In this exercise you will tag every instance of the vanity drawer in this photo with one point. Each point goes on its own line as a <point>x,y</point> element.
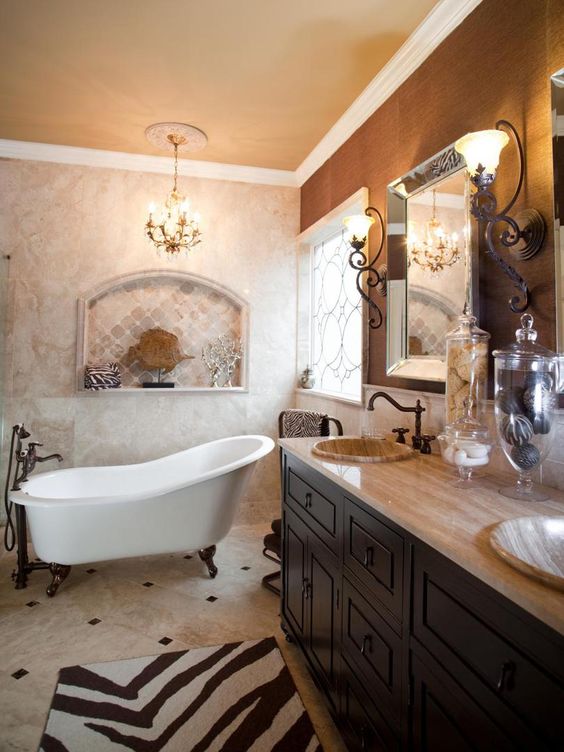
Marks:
<point>319,511</point>
<point>456,618</point>
<point>374,552</point>
<point>365,723</point>
<point>373,647</point>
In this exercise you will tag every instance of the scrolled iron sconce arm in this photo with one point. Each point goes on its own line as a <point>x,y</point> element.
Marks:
<point>375,277</point>
<point>524,233</point>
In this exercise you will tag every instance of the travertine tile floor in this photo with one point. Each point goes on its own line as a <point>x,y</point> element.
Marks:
<point>139,603</point>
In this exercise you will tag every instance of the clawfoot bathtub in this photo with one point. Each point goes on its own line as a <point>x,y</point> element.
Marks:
<point>183,502</point>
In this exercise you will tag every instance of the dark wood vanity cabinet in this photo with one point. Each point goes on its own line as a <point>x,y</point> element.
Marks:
<point>311,599</point>
<point>412,651</point>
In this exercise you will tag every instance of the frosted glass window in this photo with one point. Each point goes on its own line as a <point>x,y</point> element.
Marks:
<point>336,320</point>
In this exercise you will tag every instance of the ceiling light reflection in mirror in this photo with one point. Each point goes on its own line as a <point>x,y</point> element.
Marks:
<point>436,274</point>
<point>429,264</point>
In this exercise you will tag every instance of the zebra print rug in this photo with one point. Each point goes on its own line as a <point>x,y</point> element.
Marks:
<point>227,698</point>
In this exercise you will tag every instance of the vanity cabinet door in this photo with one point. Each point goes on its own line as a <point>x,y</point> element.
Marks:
<point>294,569</point>
<point>470,631</point>
<point>322,599</point>
<point>445,718</point>
<point>310,599</point>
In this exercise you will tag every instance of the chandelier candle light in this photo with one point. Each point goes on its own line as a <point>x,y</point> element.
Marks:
<point>171,226</point>
<point>438,249</point>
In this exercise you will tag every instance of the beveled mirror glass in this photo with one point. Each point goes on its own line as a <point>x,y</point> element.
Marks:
<point>429,264</point>
<point>557,91</point>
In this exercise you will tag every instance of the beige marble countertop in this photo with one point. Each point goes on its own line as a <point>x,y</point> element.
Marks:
<point>419,496</point>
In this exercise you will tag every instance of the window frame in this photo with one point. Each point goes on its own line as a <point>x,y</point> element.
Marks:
<point>320,231</point>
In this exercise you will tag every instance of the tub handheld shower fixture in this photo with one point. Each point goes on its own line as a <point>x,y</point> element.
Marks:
<point>26,459</point>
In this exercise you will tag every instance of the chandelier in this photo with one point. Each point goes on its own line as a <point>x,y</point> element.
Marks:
<point>438,249</point>
<point>171,226</point>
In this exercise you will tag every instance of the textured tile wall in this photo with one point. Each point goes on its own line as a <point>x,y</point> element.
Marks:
<point>193,312</point>
<point>69,229</point>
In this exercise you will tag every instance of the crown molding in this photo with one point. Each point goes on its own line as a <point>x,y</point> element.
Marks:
<point>434,28</point>
<point>118,160</point>
<point>437,25</point>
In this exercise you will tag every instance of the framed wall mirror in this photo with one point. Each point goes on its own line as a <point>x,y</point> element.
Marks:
<point>430,276</point>
<point>557,97</point>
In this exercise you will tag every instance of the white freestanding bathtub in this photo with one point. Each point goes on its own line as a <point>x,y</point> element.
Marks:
<point>184,502</point>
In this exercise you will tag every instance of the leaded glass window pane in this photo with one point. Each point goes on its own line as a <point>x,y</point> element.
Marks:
<point>336,320</point>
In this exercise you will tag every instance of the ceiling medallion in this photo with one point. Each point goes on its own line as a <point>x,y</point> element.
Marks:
<point>171,226</point>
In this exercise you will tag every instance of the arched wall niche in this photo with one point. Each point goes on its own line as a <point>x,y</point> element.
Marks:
<point>113,315</point>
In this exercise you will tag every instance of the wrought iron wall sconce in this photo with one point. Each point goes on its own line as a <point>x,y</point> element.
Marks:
<point>356,234</point>
<point>525,231</point>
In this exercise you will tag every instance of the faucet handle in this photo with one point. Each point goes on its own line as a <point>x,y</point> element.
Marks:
<point>34,443</point>
<point>401,434</point>
<point>427,438</point>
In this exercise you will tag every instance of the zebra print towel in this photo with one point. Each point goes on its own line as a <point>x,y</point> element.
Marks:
<point>102,376</point>
<point>295,423</point>
<point>227,698</point>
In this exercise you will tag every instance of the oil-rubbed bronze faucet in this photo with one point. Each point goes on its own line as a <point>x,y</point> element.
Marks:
<point>416,438</point>
<point>27,459</point>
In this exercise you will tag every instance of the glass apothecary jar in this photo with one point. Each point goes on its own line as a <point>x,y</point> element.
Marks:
<point>466,445</point>
<point>467,369</point>
<point>526,396</point>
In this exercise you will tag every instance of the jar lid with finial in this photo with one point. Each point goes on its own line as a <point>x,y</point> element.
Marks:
<point>525,348</point>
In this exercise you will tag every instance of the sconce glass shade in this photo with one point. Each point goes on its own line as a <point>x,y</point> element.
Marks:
<point>357,226</point>
<point>482,148</point>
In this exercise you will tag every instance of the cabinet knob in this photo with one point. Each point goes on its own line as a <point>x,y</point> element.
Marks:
<point>366,641</point>
<point>307,500</point>
<point>306,588</point>
<point>369,556</point>
<point>505,680</point>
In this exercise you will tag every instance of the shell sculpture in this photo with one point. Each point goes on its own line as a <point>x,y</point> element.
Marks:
<point>157,349</point>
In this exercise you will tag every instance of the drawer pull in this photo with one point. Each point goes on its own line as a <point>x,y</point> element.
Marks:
<point>364,737</point>
<point>306,588</point>
<point>366,641</point>
<point>308,501</point>
<point>369,557</point>
<point>505,680</point>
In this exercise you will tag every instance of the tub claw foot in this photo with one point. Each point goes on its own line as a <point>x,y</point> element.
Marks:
<point>206,555</point>
<point>60,573</point>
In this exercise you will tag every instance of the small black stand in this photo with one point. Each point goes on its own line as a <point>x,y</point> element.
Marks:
<point>158,384</point>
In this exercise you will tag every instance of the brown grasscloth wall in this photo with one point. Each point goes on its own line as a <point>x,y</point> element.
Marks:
<point>495,65</point>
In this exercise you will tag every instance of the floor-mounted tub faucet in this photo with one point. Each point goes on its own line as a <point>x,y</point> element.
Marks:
<point>416,438</point>
<point>27,459</point>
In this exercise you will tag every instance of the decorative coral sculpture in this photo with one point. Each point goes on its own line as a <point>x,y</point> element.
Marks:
<point>221,356</point>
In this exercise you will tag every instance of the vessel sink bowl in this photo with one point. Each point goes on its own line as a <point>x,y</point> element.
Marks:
<point>534,546</point>
<point>358,449</point>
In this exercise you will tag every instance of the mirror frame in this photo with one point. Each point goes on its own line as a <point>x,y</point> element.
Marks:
<point>558,209</point>
<point>443,164</point>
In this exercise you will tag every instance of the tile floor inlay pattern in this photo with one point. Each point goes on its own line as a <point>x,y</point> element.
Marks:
<point>132,623</point>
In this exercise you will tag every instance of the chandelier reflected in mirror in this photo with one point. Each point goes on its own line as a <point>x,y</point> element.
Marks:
<point>172,227</point>
<point>437,249</point>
